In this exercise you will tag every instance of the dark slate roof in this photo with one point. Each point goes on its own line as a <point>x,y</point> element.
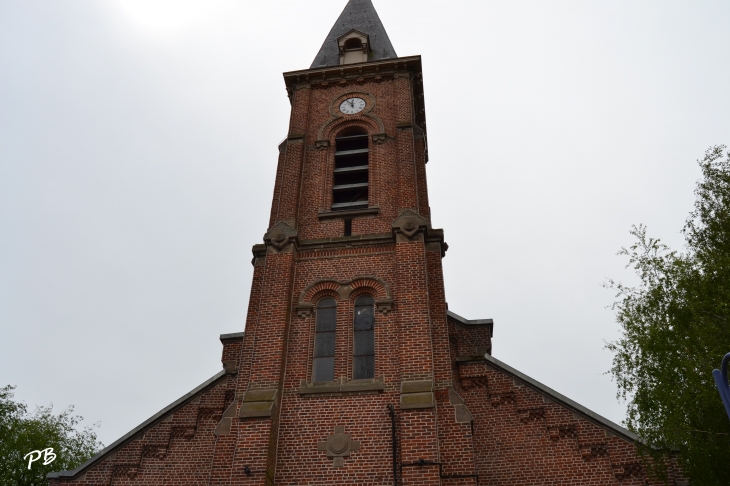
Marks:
<point>359,15</point>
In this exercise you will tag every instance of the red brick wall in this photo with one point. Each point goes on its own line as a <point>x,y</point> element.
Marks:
<point>516,436</point>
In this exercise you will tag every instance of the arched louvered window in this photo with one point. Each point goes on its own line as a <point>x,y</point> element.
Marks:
<point>363,360</point>
<point>350,189</point>
<point>354,44</point>
<point>323,364</point>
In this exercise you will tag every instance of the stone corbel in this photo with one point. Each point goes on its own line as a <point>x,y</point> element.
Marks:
<point>409,226</point>
<point>280,238</point>
<point>379,138</point>
<point>321,144</point>
<point>258,403</point>
<point>304,309</point>
<point>230,367</point>
<point>384,305</point>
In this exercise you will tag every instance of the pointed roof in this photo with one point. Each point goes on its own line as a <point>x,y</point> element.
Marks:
<point>359,15</point>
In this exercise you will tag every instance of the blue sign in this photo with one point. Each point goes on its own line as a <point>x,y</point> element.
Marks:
<point>722,384</point>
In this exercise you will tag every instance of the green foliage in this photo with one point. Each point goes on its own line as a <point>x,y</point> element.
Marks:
<point>22,432</point>
<point>676,329</point>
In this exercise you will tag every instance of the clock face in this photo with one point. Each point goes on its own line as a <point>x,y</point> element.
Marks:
<point>352,105</point>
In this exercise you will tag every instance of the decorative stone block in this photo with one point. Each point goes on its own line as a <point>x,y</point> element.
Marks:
<point>416,386</point>
<point>384,305</point>
<point>256,409</point>
<point>408,225</point>
<point>280,238</point>
<point>260,395</point>
<point>230,367</point>
<point>258,403</point>
<point>338,446</point>
<point>416,400</point>
<point>304,309</point>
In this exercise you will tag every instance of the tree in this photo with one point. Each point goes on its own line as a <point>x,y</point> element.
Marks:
<point>22,432</point>
<point>676,329</point>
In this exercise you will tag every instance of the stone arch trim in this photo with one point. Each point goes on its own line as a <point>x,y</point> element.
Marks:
<point>343,288</point>
<point>372,123</point>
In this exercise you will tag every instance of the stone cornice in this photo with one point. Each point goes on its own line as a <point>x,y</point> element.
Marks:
<point>399,67</point>
<point>432,237</point>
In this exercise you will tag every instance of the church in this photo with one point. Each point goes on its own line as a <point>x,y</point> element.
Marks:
<point>352,370</point>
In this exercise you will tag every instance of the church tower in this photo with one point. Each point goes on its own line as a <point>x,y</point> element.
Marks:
<point>347,317</point>
<point>351,369</point>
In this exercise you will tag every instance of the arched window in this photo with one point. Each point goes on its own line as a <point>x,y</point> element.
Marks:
<point>323,364</point>
<point>350,189</point>
<point>363,360</point>
<point>354,44</point>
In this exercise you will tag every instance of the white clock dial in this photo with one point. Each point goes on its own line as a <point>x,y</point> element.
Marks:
<point>352,105</point>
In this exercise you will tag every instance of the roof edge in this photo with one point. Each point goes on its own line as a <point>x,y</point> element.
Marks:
<point>462,321</point>
<point>232,336</point>
<point>415,59</point>
<point>469,322</point>
<point>180,402</point>
<point>563,400</point>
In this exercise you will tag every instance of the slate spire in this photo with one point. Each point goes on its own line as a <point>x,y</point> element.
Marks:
<point>359,15</point>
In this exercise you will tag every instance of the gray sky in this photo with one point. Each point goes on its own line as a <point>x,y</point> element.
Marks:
<point>138,151</point>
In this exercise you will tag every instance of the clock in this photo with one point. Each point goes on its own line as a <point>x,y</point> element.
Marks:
<point>352,105</point>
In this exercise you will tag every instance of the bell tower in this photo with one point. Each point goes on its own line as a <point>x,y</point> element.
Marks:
<point>347,321</point>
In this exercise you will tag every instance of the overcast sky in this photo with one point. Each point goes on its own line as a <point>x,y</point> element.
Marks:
<point>138,146</point>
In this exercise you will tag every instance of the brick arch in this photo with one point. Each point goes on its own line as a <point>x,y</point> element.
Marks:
<point>360,291</point>
<point>311,293</point>
<point>369,283</point>
<point>344,288</point>
<point>371,123</point>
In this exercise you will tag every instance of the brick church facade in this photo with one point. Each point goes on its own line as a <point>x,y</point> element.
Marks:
<point>352,370</point>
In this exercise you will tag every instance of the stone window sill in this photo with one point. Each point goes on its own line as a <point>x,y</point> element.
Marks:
<point>342,386</point>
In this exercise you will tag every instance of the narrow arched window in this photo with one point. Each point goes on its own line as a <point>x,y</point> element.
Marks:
<point>363,361</point>
<point>350,189</point>
<point>323,364</point>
